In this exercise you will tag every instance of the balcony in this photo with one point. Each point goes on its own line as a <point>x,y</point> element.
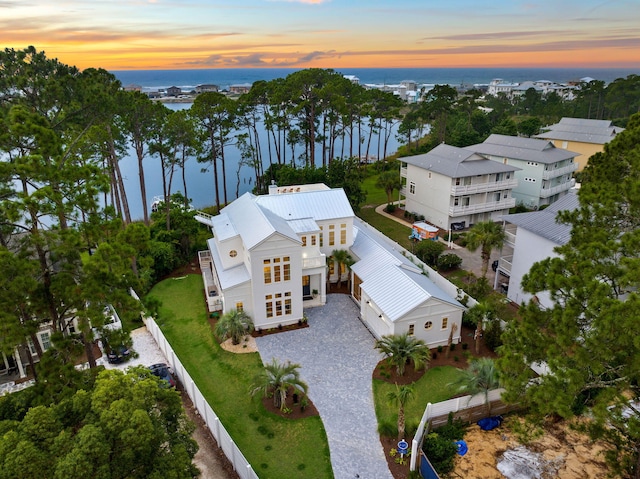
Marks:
<point>313,260</point>
<point>403,172</point>
<point>461,210</point>
<point>504,264</point>
<point>510,234</point>
<point>547,192</point>
<point>549,174</point>
<point>211,286</point>
<point>462,190</point>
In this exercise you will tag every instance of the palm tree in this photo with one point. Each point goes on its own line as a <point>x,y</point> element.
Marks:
<point>401,397</point>
<point>480,377</point>
<point>278,379</point>
<point>389,181</point>
<point>235,325</point>
<point>487,236</point>
<point>343,258</point>
<point>478,315</point>
<point>402,349</point>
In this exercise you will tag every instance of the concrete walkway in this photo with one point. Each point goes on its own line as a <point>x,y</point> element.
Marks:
<point>337,357</point>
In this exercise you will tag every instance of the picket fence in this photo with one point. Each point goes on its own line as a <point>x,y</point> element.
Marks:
<point>211,419</point>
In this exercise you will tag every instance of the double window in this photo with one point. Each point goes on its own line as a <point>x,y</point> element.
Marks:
<point>278,304</point>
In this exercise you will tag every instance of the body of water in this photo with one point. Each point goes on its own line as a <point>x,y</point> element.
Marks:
<point>200,184</point>
<point>224,77</point>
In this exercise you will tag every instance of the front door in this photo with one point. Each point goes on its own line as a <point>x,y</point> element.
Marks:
<point>306,286</point>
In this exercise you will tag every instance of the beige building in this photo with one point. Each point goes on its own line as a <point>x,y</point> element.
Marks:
<point>585,137</point>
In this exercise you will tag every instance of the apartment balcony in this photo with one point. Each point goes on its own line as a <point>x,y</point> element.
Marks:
<point>403,191</point>
<point>547,192</point>
<point>510,234</point>
<point>489,186</point>
<point>549,174</point>
<point>403,172</point>
<point>461,210</point>
<point>505,264</point>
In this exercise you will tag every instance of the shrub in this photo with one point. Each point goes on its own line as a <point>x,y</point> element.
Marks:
<point>441,452</point>
<point>390,208</point>
<point>449,261</point>
<point>452,347</point>
<point>439,349</point>
<point>465,346</point>
<point>493,335</point>
<point>429,251</point>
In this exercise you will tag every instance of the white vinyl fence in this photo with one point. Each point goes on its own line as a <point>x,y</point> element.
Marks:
<point>240,464</point>
<point>470,408</point>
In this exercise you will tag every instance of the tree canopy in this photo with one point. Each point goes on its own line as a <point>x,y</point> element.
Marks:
<point>588,340</point>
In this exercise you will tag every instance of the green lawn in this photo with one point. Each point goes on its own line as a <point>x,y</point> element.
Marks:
<point>433,387</point>
<point>266,440</point>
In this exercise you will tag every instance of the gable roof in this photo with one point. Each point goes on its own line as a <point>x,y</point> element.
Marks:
<point>253,223</point>
<point>396,285</point>
<point>318,204</point>
<point>456,162</point>
<point>581,130</point>
<point>229,277</point>
<point>525,149</point>
<point>543,223</point>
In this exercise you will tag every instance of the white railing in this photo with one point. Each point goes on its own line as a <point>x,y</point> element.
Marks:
<point>204,218</point>
<point>546,192</point>
<point>548,174</point>
<point>461,210</point>
<point>211,286</point>
<point>314,262</point>
<point>211,419</point>
<point>459,190</point>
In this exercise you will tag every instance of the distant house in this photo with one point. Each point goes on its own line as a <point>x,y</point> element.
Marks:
<point>271,256</point>
<point>207,88</point>
<point>532,237</point>
<point>240,88</point>
<point>132,87</point>
<point>353,79</point>
<point>586,137</point>
<point>174,91</point>
<point>545,173</point>
<point>454,188</point>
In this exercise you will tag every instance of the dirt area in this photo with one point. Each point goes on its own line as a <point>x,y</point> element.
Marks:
<point>210,459</point>
<point>571,455</point>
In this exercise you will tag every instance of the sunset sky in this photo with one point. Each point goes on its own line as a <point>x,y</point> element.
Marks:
<point>173,34</point>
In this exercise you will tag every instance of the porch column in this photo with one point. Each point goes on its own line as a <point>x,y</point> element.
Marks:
<point>18,359</point>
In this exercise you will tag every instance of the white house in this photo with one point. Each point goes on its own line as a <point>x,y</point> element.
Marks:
<point>455,187</point>
<point>544,174</point>
<point>268,257</point>
<point>531,237</point>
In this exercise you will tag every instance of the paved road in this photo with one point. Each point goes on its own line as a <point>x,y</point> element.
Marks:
<point>337,357</point>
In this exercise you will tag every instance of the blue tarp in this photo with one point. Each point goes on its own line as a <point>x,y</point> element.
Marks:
<point>489,423</point>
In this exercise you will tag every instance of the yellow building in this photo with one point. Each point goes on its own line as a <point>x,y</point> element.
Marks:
<point>586,137</point>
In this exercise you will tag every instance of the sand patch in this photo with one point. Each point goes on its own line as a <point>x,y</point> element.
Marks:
<point>247,345</point>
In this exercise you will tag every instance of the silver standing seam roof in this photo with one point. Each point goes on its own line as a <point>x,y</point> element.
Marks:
<point>581,130</point>
<point>525,149</point>
<point>394,283</point>
<point>457,162</point>
<point>543,223</point>
<point>319,205</point>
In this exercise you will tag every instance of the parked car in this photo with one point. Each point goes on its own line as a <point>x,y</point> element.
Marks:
<point>163,372</point>
<point>116,354</point>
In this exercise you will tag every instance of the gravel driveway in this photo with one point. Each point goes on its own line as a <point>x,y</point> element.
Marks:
<point>337,357</point>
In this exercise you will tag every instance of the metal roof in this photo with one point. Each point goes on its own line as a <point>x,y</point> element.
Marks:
<point>457,162</point>
<point>581,130</point>
<point>543,223</point>
<point>319,205</point>
<point>255,224</point>
<point>304,225</point>
<point>525,149</point>
<point>394,284</point>
<point>222,227</point>
<point>228,277</point>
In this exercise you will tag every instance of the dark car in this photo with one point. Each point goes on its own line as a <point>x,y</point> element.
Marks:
<point>116,354</point>
<point>162,371</point>
<point>458,226</point>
